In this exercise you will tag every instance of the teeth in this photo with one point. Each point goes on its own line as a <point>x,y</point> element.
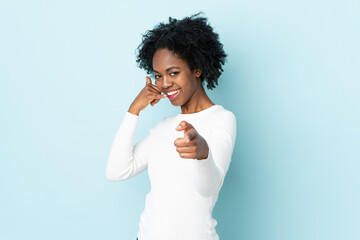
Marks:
<point>172,92</point>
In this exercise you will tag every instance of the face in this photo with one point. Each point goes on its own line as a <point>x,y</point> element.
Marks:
<point>174,77</point>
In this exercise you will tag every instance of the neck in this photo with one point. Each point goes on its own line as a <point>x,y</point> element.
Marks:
<point>198,102</point>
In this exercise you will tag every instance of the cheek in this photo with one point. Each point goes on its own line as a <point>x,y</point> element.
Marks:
<point>191,86</point>
<point>159,85</point>
<point>188,82</point>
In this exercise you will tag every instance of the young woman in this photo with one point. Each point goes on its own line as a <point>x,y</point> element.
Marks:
<point>187,155</point>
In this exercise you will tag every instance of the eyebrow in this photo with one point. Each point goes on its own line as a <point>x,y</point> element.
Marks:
<point>170,68</point>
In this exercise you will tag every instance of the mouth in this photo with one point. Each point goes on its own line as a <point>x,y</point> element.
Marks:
<point>172,94</point>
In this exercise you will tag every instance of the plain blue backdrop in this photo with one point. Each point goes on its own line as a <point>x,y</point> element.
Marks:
<point>68,75</point>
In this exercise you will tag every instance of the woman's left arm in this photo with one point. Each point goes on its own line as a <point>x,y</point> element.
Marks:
<point>212,155</point>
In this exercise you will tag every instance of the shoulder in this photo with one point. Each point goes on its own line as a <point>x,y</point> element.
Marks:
<point>220,115</point>
<point>223,123</point>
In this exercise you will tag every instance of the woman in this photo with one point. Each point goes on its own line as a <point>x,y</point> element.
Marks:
<point>187,155</point>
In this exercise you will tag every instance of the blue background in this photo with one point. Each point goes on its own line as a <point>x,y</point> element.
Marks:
<point>68,75</point>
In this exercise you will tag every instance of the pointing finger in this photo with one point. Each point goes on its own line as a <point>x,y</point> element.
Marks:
<point>156,88</point>
<point>152,86</point>
<point>184,126</point>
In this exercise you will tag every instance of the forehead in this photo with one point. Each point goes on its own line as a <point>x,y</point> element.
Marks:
<point>164,58</point>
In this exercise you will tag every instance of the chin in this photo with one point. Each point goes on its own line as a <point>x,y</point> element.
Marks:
<point>176,104</point>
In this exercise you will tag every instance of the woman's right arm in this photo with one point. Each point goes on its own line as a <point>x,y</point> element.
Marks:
<point>126,160</point>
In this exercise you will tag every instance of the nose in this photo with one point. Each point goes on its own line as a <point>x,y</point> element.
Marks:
<point>166,83</point>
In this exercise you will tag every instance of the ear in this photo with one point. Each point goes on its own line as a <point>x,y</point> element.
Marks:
<point>197,72</point>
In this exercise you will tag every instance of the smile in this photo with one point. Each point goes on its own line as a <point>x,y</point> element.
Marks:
<point>172,94</point>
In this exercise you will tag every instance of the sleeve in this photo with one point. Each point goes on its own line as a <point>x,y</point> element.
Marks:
<point>127,160</point>
<point>210,172</point>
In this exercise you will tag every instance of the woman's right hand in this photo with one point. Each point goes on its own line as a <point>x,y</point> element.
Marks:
<point>149,94</point>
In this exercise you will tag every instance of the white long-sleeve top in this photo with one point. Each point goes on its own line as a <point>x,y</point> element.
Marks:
<point>183,191</point>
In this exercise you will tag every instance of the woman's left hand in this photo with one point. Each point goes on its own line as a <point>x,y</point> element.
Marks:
<point>192,145</point>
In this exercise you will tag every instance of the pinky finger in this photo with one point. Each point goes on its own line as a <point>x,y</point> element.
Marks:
<point>188,155</point>
<point>152,103</point>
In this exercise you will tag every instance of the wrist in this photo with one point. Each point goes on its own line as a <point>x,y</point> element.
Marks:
<point>205,155</point>
<point>134,110</point>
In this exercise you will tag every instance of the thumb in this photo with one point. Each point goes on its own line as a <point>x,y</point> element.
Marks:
<point>148,80</point>
<point>190,134</point>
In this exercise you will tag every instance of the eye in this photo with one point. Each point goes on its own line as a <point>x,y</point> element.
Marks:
<point>157,76</point>
<point>174,73</point>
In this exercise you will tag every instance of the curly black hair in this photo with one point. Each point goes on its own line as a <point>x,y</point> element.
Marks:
<point>192,39</point>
